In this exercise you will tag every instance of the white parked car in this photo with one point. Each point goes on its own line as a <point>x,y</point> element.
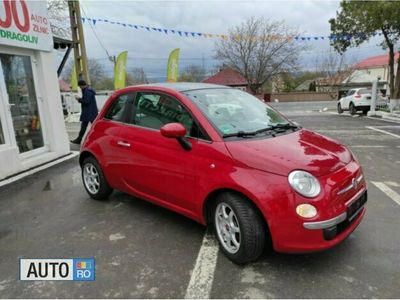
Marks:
<point>359,99</point>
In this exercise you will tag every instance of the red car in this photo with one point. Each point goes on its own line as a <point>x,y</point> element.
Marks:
<point>226,159</point>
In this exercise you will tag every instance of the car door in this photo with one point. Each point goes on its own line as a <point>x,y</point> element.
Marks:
<point>105,133</point>
<point>156,167</point>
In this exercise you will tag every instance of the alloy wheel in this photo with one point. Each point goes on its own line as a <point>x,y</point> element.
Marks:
<point>91,178</point>
<point>227,227</point>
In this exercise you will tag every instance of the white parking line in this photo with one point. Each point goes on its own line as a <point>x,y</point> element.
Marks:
<point>383,131</point>
<point>368,146</point>
<point>203,273</point>
<point>388,191</point>
<point>388,126</point>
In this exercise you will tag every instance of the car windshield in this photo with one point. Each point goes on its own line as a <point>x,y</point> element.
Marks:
<point>232,111</point>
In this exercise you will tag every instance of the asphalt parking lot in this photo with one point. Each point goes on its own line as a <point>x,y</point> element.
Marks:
<point>144,251</point>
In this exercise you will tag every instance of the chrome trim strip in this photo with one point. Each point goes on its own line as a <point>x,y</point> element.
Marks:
<point>346,189</point>
<point>327,223</point>
<point>359,178</point>
<point>349,187</point>
<point>355,197</point>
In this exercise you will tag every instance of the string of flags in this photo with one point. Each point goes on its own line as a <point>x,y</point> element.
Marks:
<point>193,34</point>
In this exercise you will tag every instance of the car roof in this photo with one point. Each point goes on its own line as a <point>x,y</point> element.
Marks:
<point>184,86</point>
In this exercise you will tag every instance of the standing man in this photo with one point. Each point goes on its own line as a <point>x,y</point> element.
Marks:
<point>88,109</point>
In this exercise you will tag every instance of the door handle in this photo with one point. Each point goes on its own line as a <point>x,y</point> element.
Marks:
<point>123,144</point>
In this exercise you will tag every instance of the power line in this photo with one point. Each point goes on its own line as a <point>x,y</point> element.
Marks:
<point>97,37</point>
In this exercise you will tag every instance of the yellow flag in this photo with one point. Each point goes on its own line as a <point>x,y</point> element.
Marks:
<point>173,66</point>
<point>120,70</point>
<point>74,80</point>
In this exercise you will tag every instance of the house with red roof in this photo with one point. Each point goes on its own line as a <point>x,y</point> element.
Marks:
<point>370,68</point>
<point>229,77</point>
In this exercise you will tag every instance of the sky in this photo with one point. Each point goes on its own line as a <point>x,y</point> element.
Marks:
<point>150,49</point>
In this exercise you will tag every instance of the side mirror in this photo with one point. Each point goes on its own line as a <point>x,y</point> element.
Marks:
<point>176,131</point>
<point>173,130</point>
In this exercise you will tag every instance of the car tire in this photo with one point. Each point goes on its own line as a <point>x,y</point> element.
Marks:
<point>365,111</point>
<point>94,181</point>
<point>353,109</point>
<point>339,109</point>
<point>243,224</point>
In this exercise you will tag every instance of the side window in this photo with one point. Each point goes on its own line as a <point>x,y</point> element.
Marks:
<point>155,110</point>
<point>116,111</point>
<point>351,92</point>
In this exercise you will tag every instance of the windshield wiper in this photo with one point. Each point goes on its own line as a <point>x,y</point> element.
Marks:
<point>283,126</point>
<point>242,133</point>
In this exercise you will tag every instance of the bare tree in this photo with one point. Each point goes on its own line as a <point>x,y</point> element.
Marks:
<point>333,69</point>
<point>192,73</point>
<point>59,18</point>
<point>136,76</point>
<point>98,76</point>
<point>259,50</point>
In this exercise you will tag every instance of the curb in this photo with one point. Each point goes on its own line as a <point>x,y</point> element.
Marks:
<point>384,115</point>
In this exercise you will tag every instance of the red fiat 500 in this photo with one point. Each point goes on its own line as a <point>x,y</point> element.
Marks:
<point>224,158</point>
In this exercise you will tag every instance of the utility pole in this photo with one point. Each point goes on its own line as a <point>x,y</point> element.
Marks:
<point>374,95</point>
<point>81,61</point>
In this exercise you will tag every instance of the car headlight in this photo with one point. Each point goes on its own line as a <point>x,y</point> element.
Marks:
<point>304,183</point>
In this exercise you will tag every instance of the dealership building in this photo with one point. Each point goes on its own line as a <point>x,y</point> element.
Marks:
<point>32,129</point>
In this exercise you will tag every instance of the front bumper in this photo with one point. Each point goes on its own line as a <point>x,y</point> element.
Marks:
<point>333,227</point>
<point>322,234</point>
<point>360,196</point>
<point>327,223</point>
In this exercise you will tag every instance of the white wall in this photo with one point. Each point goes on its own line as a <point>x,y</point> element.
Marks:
<point>369,74</point>
<point>52,120</point>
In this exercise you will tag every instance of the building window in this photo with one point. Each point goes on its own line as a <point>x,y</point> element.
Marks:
<point>19,81</point>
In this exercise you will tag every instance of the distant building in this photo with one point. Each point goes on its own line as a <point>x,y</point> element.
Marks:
<point>229,77</point>
<point>331,83</point>
<point>370,68</point>
<point>305,86</point>
<point>367,70</point>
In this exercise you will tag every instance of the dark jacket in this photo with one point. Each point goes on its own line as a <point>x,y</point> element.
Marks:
<point>88,104</point>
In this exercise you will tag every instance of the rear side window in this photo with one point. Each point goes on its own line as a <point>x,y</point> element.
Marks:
<point>117,110</point>
<point>364,91</point>
<point>351,92</point>
<point>155,110</point>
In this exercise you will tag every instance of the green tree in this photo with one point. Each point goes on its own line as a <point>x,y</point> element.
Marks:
<point>358,21</point>
<point>292,81</point>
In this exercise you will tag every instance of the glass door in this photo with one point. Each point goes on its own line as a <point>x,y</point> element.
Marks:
<point>22,100</point>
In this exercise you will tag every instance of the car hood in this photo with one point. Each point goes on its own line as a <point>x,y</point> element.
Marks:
<point>300,150</point>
